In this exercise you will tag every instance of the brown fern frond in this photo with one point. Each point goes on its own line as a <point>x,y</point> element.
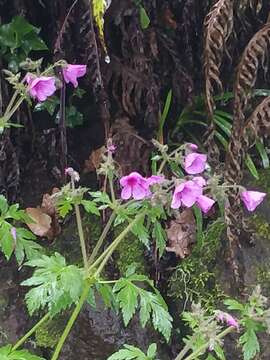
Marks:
<point>218,26</point>
<point>258,124</point>
<point>253,57</point>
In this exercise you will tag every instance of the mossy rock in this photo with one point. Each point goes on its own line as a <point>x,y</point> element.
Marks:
<point>48,334</point>
<point>195,279</point>
<point>130,251</point>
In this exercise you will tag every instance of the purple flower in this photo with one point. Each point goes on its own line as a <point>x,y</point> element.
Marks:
<point>195,163</point>
<point>134,185</point>
<point>72,72</point>
<point>199,180</point>
<point>154,179</point>
<point>13,232</point>
<point>40,87</point>
<point>112,148</point>
<point>204,203</point>
<point>192,147</point>
<point>228,319</point>
<point>186,193</point>
<point>252,199</point>
<point>75,176</point>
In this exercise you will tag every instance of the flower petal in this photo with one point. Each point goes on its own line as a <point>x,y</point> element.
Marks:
<point>205,203</point>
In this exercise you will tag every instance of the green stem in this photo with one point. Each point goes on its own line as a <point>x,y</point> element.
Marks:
<point>81,236</point>
<point>15,107</point>
<point>11,102</point>
<point>116,242</point>
<point>111,187</point>
<point>71,321</point>
<point>30,332</point>
<point>202,348</point>
<point>101,239</point>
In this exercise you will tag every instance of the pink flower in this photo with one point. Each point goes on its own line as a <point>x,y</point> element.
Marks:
<point>40,87</point>
<point>186,193</point>
<point>112,148</point>
<point>252,199</point>
<point>154,179</point>
<point>192,147</point>
<point>72,72</point>
<point>134,185</point>
<point>204,203</point>
<point>195,163</point>
<point>229,319</point>
<point>199,180</point>
<point>75,176</point>
<point>13,233</point>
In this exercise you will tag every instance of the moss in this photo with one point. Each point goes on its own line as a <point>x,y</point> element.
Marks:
<point>260,225</point>
<point>48,334</point>
<point>195,278</point>
<point>130,251</point>
<point>263,278</point>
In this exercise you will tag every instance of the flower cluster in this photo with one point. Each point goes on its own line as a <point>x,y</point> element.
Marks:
<point>44,86</point>
<point>228,319</point>
<point>187,192</point>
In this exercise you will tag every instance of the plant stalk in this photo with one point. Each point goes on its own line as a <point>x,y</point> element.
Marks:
<point>202,348</point>
<point>81,236</point>
<point>30,332</point>
<point>101,239</point>
<point>71,321</point>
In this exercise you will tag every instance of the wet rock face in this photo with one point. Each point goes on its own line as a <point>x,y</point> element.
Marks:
<point>99,333</point>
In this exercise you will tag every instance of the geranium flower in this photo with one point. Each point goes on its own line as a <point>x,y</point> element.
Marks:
<point>195,163</point>
<point>252,199</point>
<point>192,147</point>
<point>72,72</point>
<point>40,87</point>
<point>13,232</point>
<point>154,179</point>
<point>199,180</point>
<point>186,193</point>
<point>204,203</point>
<point>229,319</point>
<point>134,185</point>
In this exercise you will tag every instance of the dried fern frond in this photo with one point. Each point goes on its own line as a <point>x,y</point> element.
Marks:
<point>218,26</point>
<point>258,124</point>
<point>253,57</point>
<point>255,5</point>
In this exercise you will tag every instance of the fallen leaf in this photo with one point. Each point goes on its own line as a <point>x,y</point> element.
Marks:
<point>182,234</point>
<point>41,221</point>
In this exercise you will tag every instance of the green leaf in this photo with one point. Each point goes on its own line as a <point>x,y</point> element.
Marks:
<point>141,232</point>
<point>56,285</point>
<point>7,242</point>
<point>152,350</point>
<point>90,207</point>
<point>127,297</point>
<point>25,247</point>
<point>234,305</point>
<point>3,205</point>
<point>73,117</point>
<point>6,353</point>
<point>160,236</point>
<point>107,295</point>
<point>251,167</point>
<point>164,114</point>
<point>128,353</point>
<point>144,19</point>
<point>219,352</point>
<point>264,156</point>
<point>199,224</point>
<point>250,344</point>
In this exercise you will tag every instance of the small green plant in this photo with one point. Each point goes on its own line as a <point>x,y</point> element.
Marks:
<point>17,39</point>
<point>132,352</point>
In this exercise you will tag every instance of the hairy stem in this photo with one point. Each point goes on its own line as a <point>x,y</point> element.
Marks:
<point>202,348</point>
<point>81,236</point>
<point>30,332</point>
<point>71,321</point>
<point>11,102</point>
<point>101,239</point>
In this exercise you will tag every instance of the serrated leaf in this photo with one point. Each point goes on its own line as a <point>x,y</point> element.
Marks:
<point>160,236</point>
<point>56,285</point>
<point>3,204</point>
<point>250,344</point>
<point>127,297</point>
<point>152,350</point>
<point>6,353</point>
<point>141,232</point>
<point>234,305</point>
<point>90,207</point>
<point>128,353</point>
<point>25,247</point>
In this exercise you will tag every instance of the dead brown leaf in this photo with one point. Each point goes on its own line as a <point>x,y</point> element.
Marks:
<point>182,234</point>
<point>41,221</point>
